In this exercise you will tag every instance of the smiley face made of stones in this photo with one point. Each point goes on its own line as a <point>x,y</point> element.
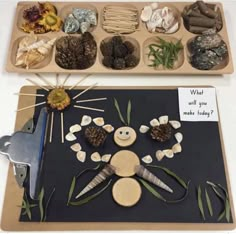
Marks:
<point>125,136</point>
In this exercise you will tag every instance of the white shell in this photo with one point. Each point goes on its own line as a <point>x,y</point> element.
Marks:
<point>70,137</point>
<point>146,13</point>
<point>156,18</point>
<point>95,157</point>
<point>177,148</point>
<point>154,123</point>
<point>163,119</point>
<point>168,153</point>
<point>75,128</point>
<point>154,5</point>
<point>108,128</point>
<point>106,157</point>
<point>81,156</point>
<point>147,159</point>
<point>86,120</point>
<point>76,147</point>
<point>173,28</point>
<point>179,137</point>
<point>175,124</point>
<point>160,155</point>
<point>99,121</point>
<point>143,129</point>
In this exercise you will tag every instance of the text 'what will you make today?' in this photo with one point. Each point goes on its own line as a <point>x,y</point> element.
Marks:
<point>197,104</point>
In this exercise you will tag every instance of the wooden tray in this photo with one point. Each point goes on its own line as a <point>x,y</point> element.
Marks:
<point>13,195</point>
<point>141,38</point>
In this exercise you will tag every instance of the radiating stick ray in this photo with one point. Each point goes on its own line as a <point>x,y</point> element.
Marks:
<point>91,100</point>
<point>88,108</point>
<point>80,81</point>
<point>65,80</point>
<point>29,94</point>
<point>51,127</point>
<point>84,91</point>
<point>28,107</point>
<point>35,83</point>
<point>45,80</point>
<point>62,127</point>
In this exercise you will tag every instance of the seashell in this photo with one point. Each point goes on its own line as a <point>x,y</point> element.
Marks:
<point>108,128</point>
<point>146,13</point>
<point>71,25</point>
<point>144,173</point>
<point>154,5</point>
<point>99,121</point>
<point>147,159</point>
<point>81,156</point>
<point>46,48</point>
<point>173,28</point>
<point>106,172</point>
<point>177,148</point>
<point>75,128</point>
<point>86,120</point>
<point>175,124</point>
<point>70,137</point>
<point>95,157</point>
<point>156,18</point>
<point>31,58</point>
<point>179,137</point>
<point>106,157</point>
<point>143,129</point>
<point>76,147</point>
<point>160,155</point>
<point>168,153</point>
<point>84,27</point>
<point>168,18</point>
<point>154,123</point>
<point>32,46</point>
<point>163,119</point>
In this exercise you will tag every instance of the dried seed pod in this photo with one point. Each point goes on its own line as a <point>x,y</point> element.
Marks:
<point>105,173</point>
<point>144,173</point>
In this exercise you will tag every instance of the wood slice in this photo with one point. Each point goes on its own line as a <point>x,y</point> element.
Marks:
<point>125,136</point>
<point>125,162</point>
<point>126,192</point>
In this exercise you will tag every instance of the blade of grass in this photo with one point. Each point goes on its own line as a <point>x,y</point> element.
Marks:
<point>208,203</point>
<point>128,112</point>
<point>72,187</point>
<point>48,202</point>
<point>41,196</point>
<point>119,112</point>
<point>200,205</point>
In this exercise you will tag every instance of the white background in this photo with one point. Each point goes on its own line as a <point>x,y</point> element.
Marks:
<point>225,85</point>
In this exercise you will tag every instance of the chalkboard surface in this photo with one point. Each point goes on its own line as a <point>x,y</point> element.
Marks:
<point>201,160</point>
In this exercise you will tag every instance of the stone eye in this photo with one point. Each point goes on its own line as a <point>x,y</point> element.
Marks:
<point>127,133</point>
<point>121,132</point>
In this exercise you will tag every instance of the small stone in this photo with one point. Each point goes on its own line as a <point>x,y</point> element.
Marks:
<point>179,137</point>
<point>106,157</point>
<point>168,153</point>
<point>70,137</point>
<point>160,155</point>
<point>163,119</point>
<point>95,157</point>
<point>76,147</point>
<point>143,129</point>
<point>81,156</point>
<point>147,159</point>
<point>99,121</point>
<point>108,128</point>
<point>75,128</point>
<point>177,148</point>
<point>86,120</point>
<point>175,124</point>
<point>154,123</point>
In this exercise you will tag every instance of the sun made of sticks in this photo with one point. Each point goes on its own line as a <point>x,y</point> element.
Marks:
<point>58,92</point>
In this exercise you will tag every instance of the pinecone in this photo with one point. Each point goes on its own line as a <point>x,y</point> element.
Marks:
<point>96,136</point>
<point>66,60</point>
<point>161,133</point>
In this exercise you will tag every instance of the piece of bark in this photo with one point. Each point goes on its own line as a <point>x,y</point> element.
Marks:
<point>202,22</point>
<point>197,29</point>
<point>205,10</point>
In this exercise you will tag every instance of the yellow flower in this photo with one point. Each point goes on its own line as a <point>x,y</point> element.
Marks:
<point>51,21</point>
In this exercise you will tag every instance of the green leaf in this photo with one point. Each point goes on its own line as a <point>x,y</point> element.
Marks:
<point>200,205</point>
<point>88,169</point>
<point>221,216</point>
<point>214,187</point>
<point>208,203</point>
<point>41,209</point>
<point>47,204</point>
<point>93,196</point>
<point>171,173</point>
<point>227,210</point>
<point>119,112</point>
<point>72,187</point>
<point>152,190</point>
<point>128,112</point>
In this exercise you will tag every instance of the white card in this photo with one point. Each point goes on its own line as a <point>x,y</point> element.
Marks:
<point>197,104</point>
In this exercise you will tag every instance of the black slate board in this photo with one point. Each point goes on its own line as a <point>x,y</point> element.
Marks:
<point>200,160</point>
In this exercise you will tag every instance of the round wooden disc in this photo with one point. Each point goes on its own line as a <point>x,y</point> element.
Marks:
<point>125,136</point>
<point>125,162</point>
<point>126,191</point>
